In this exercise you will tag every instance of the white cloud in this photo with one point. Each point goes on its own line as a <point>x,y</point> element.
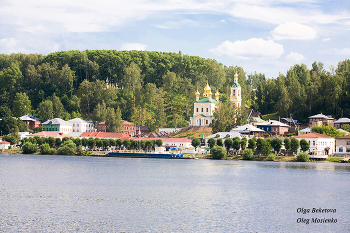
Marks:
<point>295,57</point>
<point>336,51</point>
<point>8,42</point>
<point>275,13</point>
<point>253,47</point>
<point>293,31</point>
<point>102,15</point>
<point>326,39</point>
<point>133,46</point>
<point>176,25</point>
<point>222,21</point>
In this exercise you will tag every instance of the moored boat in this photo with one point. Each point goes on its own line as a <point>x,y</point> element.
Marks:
<point>317,154</point>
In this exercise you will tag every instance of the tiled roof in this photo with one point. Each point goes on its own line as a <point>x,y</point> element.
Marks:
<point>344,137</point>
<point>4,142</point>
<point>313,135</point>
<point>104,135</point>
<point>166,140</point>
<point>54,134</point>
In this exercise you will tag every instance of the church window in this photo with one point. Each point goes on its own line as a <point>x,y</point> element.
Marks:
<point>202,109</point>
<point>233,92</point>
<point>206,121</point>
<point>207,110</point>
<point>197,109</point>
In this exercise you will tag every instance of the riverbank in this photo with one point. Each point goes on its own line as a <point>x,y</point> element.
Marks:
<point>208,156</point>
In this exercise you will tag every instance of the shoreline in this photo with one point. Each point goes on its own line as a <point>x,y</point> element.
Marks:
<point>207,156</point>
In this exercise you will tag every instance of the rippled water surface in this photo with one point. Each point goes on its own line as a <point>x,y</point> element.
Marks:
<point>91,194</point>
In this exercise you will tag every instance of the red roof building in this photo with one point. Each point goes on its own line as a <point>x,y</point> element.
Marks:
<point>127,128</point>
<point>319,141</point>
<point>54,134</point>
<point>104,135</point>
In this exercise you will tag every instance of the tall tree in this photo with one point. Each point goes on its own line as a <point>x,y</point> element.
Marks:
<point>21,104</point>
<point>170,84</point>
<point>132,79</point>
<point>58,109</point>
<point>224,117</point>
<point>45,110</point>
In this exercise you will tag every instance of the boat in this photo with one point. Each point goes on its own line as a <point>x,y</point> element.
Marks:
<point>318,154</point>
<point>144,155</point>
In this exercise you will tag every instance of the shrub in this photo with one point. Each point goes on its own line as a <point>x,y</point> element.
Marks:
<point>29,148</point>
<point>67,148</point>
<point>271,157</point>
<point>217,152</point>
<point>52,151</point>
<point>44,149</point>
<point>302,157</point>
<point>248,154</point>
<point>79,150</point>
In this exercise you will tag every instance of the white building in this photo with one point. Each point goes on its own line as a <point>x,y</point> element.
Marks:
<point>4,145</point>
<point>79,125</point>
<point>318,141</point>
<point>203,109</point>
<point>57,124</point>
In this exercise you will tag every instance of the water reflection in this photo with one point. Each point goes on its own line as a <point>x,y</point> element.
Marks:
<point>308,165</point>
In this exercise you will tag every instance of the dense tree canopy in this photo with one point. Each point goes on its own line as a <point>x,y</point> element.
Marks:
<point>157,89</point>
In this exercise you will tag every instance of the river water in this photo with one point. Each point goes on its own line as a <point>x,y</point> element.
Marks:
<point>41,193</point>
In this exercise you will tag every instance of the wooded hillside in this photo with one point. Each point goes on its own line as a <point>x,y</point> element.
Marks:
<point>156,88</point>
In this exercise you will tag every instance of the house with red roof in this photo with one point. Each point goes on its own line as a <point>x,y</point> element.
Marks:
<point>319,141</point>
<point>4,145</point>
<point>106,135</point>
<point>54,134</point>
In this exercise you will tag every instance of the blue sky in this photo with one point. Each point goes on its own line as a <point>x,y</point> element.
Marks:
<point>266,36</point>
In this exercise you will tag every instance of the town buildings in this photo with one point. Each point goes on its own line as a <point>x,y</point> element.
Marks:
<point>274,127</point>
<point>340,122</point>
<point>319,141</point>
<point>320,119</point>
<point>80,125</point>
<point>127,128</point>
<point>343,145</point>
<point>57,124</point>
<point>105,135</point>
<point>31,121</point>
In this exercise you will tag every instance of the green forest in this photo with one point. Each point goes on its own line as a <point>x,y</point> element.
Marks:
<point>157,89</point>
